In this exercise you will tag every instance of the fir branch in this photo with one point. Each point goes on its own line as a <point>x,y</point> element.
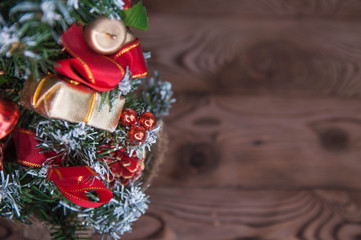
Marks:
<point>124,87</point>
<point>29,47</point>
<point>10,195</point>
<point>116,217</point>
<point>72,141</point>
<point>158,96</point>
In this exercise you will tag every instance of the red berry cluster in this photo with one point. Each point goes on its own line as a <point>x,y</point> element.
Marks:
<point>138,126</point>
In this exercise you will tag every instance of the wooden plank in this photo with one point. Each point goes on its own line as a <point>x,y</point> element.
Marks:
<point>8,231</point>
<point>229,214</point>
<point>262,141</point>
<point>230,54</point>
<point>259,8</point>
<point>259,87</point>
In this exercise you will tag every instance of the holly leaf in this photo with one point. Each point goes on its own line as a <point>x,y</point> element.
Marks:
<point>136,17</point>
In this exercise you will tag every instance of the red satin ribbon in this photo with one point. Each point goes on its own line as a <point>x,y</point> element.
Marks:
<point>72,182</point>
<point>97,71</point>
<point>27,154</point>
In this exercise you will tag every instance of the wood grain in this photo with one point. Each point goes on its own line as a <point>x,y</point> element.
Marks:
<point>9,232</point>
<point>229,214</point>
<point>268,99</point>
<point>260,8</point>
<point>261,141</point>
<point>265,137</point>
<point>230,54</point>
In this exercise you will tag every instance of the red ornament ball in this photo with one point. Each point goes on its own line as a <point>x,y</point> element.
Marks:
<point>128,117</point>
<point>9,116</point>
<point>137,134</point>
<point>148,120</point>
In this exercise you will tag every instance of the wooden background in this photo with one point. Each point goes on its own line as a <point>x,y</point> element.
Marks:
<point>265,137</point>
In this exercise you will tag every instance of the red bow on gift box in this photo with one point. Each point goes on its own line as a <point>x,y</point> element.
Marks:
<point>100,72</point>
<point>72,182</point>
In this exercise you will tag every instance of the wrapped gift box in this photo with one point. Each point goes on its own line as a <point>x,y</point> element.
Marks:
<point>58,98</point>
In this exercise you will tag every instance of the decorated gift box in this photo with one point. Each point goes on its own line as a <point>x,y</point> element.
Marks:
<point>80,118</point>
<point>60,98</point>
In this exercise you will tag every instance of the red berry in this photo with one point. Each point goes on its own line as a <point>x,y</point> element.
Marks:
<point>148,120</point>
<point>137,134</point>
<point>128,117</point>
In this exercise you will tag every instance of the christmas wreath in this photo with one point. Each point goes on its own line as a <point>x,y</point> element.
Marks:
<point>78,115</point>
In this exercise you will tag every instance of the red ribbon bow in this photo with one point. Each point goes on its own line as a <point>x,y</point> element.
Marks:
<point>72,182</point>
<point>97,71</point>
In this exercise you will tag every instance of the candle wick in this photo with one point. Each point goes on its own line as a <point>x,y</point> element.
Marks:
<point>112,36</point>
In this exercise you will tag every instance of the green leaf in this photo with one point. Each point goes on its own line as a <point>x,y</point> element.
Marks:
<point>136,17</point>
